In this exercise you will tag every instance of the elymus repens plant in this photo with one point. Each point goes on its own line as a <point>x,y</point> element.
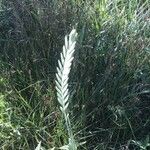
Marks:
<point>62,76</point>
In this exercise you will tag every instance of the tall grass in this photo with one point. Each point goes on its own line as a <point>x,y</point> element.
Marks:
<point>109,80</point>
<point>62,82</point>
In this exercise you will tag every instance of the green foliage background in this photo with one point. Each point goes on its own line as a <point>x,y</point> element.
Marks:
<point>109,81</point>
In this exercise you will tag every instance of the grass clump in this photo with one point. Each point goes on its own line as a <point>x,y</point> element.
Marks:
<point>109,81</point>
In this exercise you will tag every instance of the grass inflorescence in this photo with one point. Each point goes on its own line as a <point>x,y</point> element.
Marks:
<point>62,76</point>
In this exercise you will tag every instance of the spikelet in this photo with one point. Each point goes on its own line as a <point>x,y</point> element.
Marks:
<point>63,70</point>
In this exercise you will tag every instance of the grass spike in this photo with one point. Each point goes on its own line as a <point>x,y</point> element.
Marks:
<point>62,76</point>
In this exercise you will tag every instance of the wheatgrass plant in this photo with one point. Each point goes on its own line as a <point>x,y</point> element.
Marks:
<point>62,76</point>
